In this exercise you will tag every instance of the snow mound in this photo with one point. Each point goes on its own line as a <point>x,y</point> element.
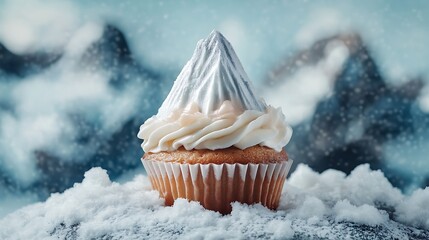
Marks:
<point>328,205</point>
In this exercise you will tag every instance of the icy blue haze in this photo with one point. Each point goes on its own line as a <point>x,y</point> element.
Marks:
<point>77,78</point>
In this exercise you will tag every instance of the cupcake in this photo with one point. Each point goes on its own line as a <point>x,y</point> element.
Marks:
<point>213,139</point>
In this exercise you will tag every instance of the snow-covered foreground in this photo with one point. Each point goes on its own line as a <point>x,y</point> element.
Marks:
<point>328,205</point>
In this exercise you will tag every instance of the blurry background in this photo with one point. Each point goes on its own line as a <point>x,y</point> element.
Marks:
<point>78,78</point>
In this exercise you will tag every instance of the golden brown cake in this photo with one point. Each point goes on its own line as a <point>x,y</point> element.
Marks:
<point>254,154</point>
<point>202,177</point>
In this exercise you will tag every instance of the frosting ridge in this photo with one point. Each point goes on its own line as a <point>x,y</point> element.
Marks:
<point>224,128</point>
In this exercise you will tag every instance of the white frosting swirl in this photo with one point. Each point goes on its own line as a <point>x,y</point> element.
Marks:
<point>191,129</point>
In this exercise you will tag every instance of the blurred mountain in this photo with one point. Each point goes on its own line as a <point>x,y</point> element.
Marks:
<point>358,116</point>
<point>22,65</point>
<point>114,146</point>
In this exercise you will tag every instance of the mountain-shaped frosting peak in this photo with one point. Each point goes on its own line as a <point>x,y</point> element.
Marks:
<point>213,75</point>
<point>212,105</point>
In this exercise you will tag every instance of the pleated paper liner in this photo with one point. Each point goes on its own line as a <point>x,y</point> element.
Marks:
<point>215,186</point>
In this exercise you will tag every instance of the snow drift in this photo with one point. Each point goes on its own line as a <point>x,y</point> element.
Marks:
<point>327,205</point>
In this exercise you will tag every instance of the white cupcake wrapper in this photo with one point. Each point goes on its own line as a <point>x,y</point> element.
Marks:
<point>215,186</point>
